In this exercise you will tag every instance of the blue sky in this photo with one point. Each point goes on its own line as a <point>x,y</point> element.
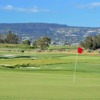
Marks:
<point>69,12</point>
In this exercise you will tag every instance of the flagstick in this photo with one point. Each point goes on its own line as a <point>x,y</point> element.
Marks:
<point>74,76</point>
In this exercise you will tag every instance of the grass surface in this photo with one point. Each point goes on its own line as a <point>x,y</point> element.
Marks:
<point>54,78</point>
<point>48,85</point>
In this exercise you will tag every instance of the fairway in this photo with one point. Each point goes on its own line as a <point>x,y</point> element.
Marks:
<point>48,85</point>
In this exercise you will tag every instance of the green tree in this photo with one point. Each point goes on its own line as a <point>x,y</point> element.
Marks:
<point>98,41</point>
<point>12,38</point>
<point>1,39</point>
<point>27,42</point>
<point>42,43</point>
<point>91,42</point>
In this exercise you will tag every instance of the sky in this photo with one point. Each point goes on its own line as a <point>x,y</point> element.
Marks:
<point>70,12</point>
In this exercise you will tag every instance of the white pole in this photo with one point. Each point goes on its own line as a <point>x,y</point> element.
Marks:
<point>74,75</point>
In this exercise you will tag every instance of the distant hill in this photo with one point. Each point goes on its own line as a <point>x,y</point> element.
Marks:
<point>57,32</point>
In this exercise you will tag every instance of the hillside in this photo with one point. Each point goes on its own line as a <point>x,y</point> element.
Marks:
<point>57,32</point>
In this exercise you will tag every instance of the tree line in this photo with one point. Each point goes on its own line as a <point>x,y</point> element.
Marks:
<point>11,38</point>
<point>91,42</point>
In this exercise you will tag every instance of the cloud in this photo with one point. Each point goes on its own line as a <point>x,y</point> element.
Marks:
<point>33,9</point>
<point>90,5</point>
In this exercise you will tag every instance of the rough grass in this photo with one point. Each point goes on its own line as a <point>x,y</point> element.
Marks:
<point>44,60</point>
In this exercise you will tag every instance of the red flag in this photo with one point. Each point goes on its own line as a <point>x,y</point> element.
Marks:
<point>79,50</point>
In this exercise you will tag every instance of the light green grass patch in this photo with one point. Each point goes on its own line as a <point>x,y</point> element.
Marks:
<point>48,85</point>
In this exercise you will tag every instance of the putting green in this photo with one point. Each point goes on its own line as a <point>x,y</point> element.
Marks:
<point>48,85</point>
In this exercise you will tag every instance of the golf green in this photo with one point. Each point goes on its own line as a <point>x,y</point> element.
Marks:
<point>48,85</point>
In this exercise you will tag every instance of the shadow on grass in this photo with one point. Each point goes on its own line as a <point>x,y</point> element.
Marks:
<point>11,57</point>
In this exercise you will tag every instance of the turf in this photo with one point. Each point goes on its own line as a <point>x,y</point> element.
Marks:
<point>54,79</point>
<point>48,85</point>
